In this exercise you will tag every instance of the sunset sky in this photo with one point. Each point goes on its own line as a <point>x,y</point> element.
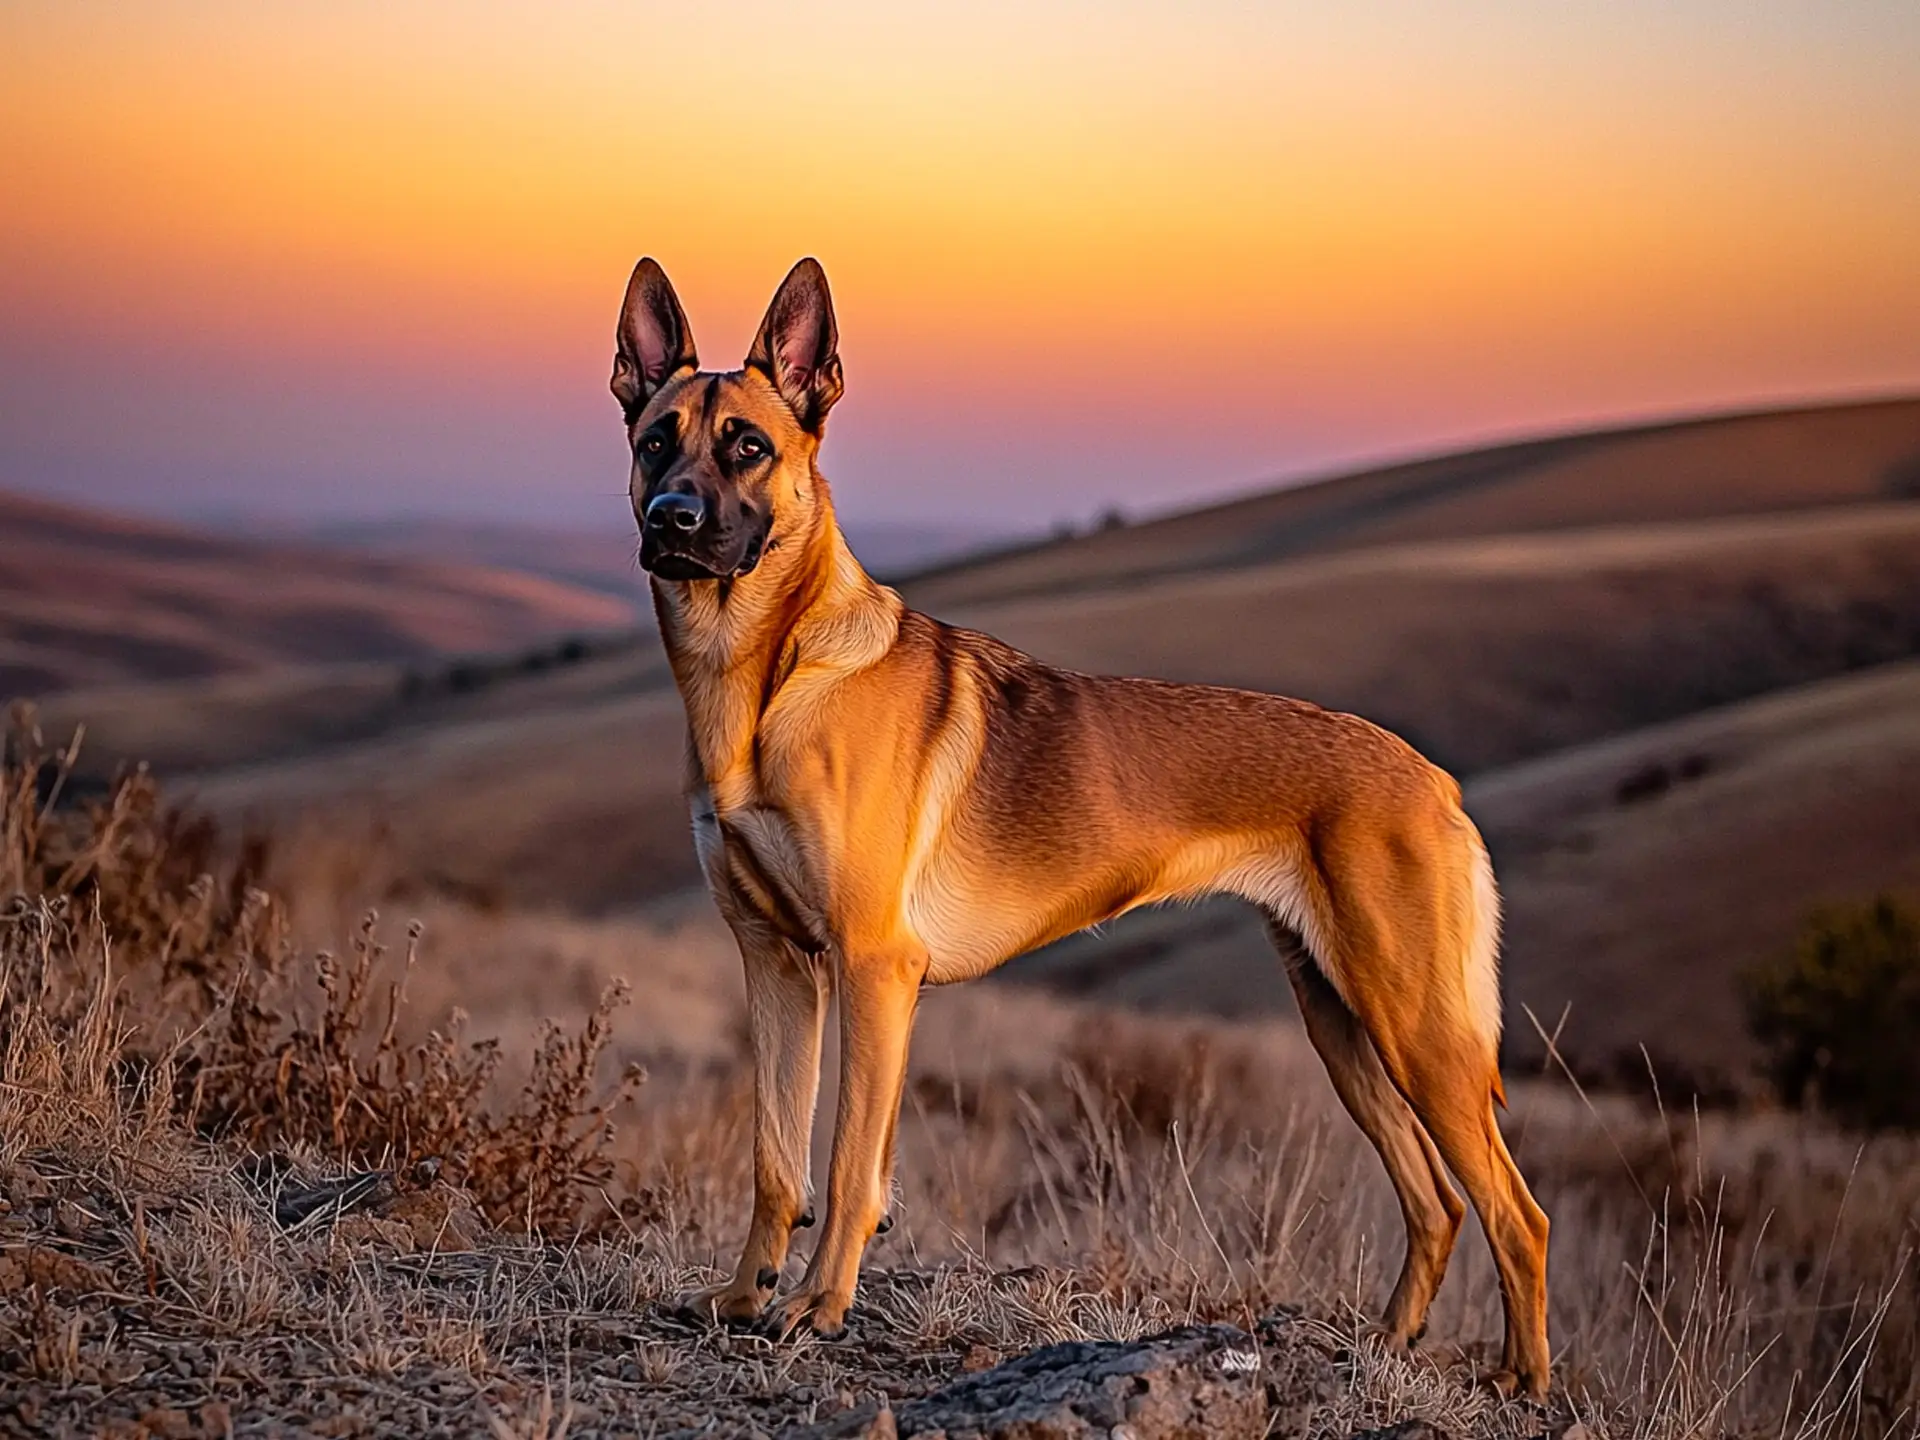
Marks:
<point>355,259</point>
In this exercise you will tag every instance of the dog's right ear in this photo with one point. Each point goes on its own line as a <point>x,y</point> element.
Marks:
<point>653,341</point>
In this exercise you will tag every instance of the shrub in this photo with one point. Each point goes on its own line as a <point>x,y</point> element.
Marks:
<point>115,902</point>
<point>1839,1017</point>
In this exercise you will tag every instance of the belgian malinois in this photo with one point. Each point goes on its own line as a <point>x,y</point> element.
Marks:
<point>882,802</point>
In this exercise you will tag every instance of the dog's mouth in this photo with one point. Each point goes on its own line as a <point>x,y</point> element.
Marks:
<point>680,567</point>
<point>668,564</point>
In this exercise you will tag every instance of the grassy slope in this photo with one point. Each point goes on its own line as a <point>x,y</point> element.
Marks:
<point>91,599</point>
<point>1483,652</point>
<point>559,785</point>
<point>1065,1172</point>
<point>1708,1276</point>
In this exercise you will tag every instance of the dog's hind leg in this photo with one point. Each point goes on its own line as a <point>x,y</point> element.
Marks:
<point>1450,1093</point>
<point>1433,1212</point>
<point>786,1009</point>
<point>1415,918</point>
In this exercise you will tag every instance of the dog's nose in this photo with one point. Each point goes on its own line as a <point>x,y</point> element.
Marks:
<point>674,511</point>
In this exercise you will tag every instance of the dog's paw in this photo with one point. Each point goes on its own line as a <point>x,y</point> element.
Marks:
<point>1511,1385</point>
<point>726,1304</point>
<point>820,1312</point>
<point>1385,1337</point>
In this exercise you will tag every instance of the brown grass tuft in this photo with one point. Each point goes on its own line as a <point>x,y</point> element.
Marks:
<point>122,934</point>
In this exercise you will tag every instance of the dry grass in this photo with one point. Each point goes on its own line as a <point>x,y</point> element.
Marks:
<point>115,909</point>
<point>1066,1173</point>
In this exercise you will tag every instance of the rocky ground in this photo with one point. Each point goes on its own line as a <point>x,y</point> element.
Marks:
<point>377,1305</point>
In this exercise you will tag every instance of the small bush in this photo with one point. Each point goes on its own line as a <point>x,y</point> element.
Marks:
<point>1839,1017</point>
<point>114,903</point>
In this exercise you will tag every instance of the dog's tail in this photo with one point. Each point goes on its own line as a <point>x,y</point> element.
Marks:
<point>1482,958</point>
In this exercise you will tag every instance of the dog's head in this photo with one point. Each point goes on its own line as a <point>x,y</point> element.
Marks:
<point>723,462</point>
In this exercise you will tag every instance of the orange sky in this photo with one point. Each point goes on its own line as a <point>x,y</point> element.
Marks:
<point>360,258</point>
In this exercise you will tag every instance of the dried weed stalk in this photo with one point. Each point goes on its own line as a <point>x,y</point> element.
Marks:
<point>112,922</point>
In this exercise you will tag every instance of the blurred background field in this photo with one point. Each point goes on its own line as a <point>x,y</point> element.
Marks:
<point>1545,388</point>
<point>1674,666</point>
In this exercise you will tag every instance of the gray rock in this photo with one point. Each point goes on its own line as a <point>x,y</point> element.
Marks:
<point>1199,1382</point>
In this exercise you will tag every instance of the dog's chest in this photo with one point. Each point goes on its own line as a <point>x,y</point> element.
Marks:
<point>753,853</point>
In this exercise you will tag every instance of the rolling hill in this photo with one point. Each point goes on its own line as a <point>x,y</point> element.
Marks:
<point>1742,464</point>
<point>89,599</point>
<point>1675,661</point>
<point>561,787</point>
<point>1811,482</point>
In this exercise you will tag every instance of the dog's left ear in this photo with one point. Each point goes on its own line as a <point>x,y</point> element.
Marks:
<point>798,347</point>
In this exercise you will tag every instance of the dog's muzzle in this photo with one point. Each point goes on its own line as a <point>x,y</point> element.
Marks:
<point>679,542</point>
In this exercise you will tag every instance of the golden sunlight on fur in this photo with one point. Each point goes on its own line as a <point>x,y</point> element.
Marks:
<point>882,802</point>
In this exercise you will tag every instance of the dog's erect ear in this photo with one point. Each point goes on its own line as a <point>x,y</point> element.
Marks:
<point>798,347</point>
<point>653,340</point>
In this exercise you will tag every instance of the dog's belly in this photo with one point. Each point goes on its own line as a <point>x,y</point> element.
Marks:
<point>971,924</point>
<point>964,939</point>
<point>975,917</point>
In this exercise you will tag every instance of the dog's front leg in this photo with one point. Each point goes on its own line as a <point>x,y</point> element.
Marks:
<point>877,993</point>
<point>786,1008</point>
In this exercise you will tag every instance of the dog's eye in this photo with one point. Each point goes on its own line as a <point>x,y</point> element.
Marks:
<point>751,447</point>
<point>651,444</point>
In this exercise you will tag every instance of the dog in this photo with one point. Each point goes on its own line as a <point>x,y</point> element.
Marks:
<point>881,802</point>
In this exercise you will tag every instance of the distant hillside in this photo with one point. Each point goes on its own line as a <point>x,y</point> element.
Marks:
<point>90,599</point>
<point>1491,649</point>
<point>604,559</point>
<point>1680,470</point>
<point>560,785</point>
<point>1610,652</point>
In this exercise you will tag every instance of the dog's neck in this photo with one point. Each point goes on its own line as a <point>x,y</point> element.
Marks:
<point>808,610</point>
